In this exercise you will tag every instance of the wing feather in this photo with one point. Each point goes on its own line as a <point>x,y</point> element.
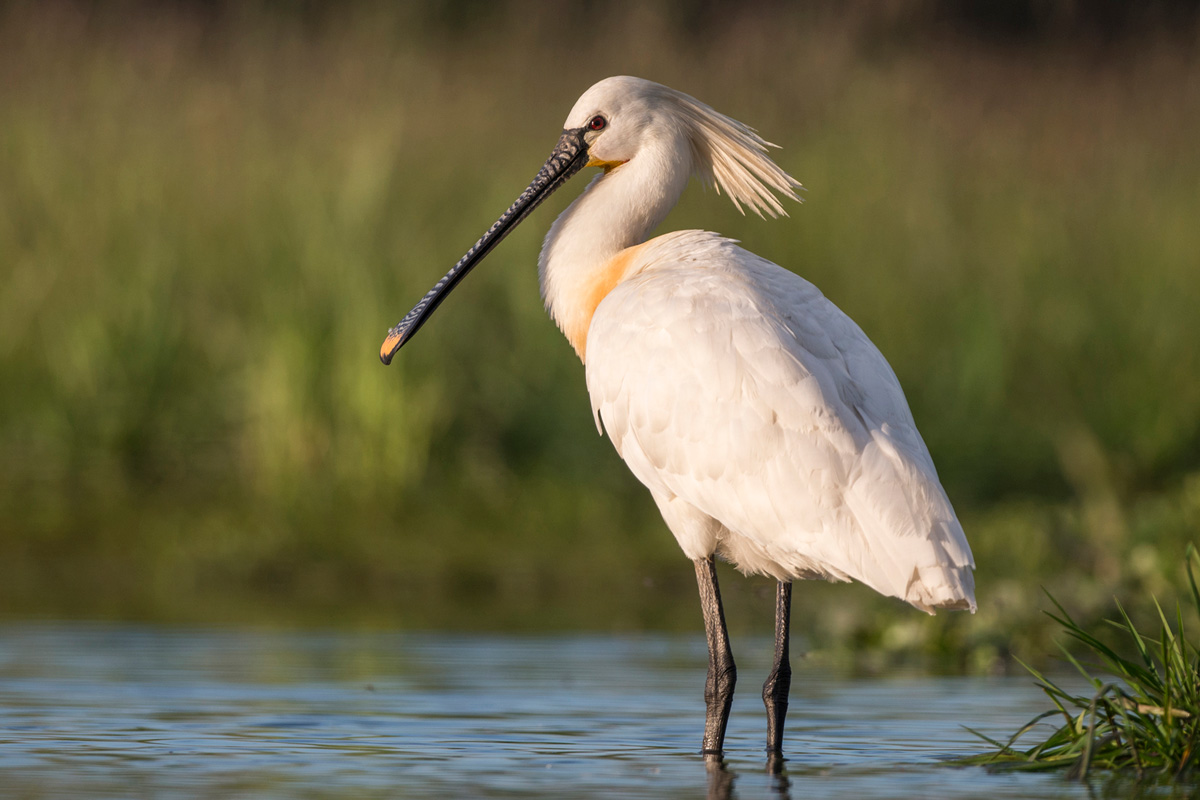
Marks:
<point>736,387</point>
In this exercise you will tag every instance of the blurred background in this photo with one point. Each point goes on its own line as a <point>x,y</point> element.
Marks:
<point>211,213</point>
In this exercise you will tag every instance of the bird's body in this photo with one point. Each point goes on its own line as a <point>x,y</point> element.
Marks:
<point>766,425</point>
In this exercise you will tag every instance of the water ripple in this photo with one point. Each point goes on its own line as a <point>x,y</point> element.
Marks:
<point>119,711</point>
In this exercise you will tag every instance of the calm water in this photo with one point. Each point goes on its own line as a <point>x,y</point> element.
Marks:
<point>103,711</point>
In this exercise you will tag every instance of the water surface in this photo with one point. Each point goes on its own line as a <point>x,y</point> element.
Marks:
<point>119,711</point>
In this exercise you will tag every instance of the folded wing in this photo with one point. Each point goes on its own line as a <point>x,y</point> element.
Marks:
<point>755,410</point>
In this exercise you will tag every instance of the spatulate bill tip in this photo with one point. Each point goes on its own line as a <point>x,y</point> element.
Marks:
<point>390,345</point>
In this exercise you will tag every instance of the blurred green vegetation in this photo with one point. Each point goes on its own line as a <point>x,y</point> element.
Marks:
<point>210,215</point>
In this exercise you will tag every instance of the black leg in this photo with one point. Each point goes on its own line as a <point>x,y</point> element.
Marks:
<point>722,673</point>
<point>775,690</point>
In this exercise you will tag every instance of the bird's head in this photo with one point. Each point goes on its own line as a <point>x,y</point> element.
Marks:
<point>614,122</point>
<point>620,117</point>
<point>614,118</point>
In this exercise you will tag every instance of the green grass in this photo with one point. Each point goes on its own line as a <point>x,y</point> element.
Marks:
<point>208,222</point>
<point>1143,715</point>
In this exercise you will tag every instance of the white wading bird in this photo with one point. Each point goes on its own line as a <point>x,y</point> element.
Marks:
<point>768,428</point>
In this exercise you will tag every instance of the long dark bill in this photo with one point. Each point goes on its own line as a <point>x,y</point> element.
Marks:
<point>569,156</point>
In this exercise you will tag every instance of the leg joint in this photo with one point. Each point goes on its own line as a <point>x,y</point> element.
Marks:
<point>778,682</point>
<point>721,682</point>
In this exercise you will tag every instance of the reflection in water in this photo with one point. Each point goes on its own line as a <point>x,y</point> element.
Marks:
<point>184,713</point>
<point>779,779</point>
<point>721,778</point>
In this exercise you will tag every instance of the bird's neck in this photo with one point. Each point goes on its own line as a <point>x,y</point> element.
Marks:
<point>591,246</point>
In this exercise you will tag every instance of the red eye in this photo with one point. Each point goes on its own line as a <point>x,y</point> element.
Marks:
<point>597,123</point>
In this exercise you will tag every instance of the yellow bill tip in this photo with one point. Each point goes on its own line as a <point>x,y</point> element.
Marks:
<point>389,347</point>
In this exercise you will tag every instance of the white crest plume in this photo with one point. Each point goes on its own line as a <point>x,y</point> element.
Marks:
<point>732,157</point>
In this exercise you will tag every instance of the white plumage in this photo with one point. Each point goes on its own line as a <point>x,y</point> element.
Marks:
<point>768,428</point>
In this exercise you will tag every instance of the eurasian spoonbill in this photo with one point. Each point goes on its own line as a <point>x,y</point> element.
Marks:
<point>767,426</point>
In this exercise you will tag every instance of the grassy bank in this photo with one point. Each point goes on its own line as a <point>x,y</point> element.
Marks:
<point>208,222</point>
